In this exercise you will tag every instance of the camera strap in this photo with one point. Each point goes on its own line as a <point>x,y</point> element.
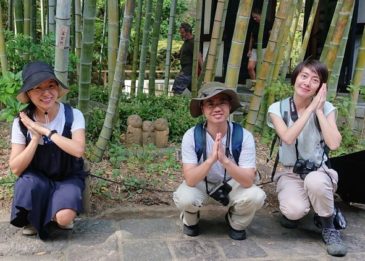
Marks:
<point>227,152</point>
<point>294,117</point>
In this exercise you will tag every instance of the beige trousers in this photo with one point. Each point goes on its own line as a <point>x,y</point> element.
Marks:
<point>243,203</point>
<point>296,195</point>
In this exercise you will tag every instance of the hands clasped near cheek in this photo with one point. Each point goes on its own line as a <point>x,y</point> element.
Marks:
<point>34,127</point>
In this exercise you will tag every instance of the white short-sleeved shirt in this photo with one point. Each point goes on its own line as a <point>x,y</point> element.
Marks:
<point>247,157</point>
<point>58,123</point>
<point>309,140</point>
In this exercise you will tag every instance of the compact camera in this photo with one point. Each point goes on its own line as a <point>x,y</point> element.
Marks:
<point>220,193</point>
<point>303,167</point>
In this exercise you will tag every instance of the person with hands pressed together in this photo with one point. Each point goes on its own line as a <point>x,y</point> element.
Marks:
<point>215,173</point>
<point>306,125</point>
<point>48,142</point>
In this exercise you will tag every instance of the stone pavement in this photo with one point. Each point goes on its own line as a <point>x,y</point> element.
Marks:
<point>155,233</point>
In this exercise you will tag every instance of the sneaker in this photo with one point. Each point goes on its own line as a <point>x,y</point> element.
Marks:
<point>67,227</point>
<point>233,233</point>
<point>29,230</point>
<point>334,243</point>
<point>191,231</point>
<point>288,223</point>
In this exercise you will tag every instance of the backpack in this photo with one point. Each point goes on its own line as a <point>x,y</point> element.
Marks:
<point>236,140</point>
<point>69,118</point>
<point>285,112</point>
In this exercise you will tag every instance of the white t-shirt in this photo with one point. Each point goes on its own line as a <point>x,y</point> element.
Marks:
<point>247,157</point>
<point>17,137</point>
<point>309,140</point>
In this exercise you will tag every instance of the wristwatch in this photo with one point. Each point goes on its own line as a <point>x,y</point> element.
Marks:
<point>51,133</point>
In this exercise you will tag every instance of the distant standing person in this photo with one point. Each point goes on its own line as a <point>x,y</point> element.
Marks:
<point>252,48</point>
<point>182,83</point>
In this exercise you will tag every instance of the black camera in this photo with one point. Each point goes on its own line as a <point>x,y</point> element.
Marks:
<point>303,167</point>
<point>220,193</point>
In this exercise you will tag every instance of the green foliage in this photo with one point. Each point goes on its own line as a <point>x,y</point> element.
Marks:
<point>9,105</point>
<point>21,49</point>
<point>95,124</point>
<point>180,16</point>
<point>174,109</point>
<point>350,142</point>
<point>155,165</point>
<point>280,90</point>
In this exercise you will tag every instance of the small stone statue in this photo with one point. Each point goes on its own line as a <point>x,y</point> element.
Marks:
<point>161,133</point>
<point>134,130</point>
<point>148,133</point>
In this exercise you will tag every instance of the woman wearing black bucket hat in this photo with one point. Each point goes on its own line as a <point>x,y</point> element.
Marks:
<point>48,142</point>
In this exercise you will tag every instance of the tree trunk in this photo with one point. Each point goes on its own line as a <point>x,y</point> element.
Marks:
<point>343,19</point>
<point>144,48</point>
<point>196,52</point>
<point>87,43</point>
<point>62,40</point>
<point>113,38</point>
<point>27,6</point>
<point>3,59</point>
<point>43,32</point>
<point>18,16</point>
<point>291,39</point>
<point>238,43</point>
<point>78,34</point>
<point>283,43</point>
<point>212,52</point>
<point>308,31</point>
<point>119,78</point>
<point>154,47</point>
<point>137,41</point>
<point>336,70</point>
<point>220,40</point>
<point>261,34</point>
<point>10,23</point>
<point>265,68</point>
<point>356,81</point>
<point>169,45</point>
<point>51,16</point>
<point>33,24</point>
<point>331,30</point>
<point>102,45</point>
<point>278,58</point>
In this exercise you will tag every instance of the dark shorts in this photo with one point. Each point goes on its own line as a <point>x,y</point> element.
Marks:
<point>182,81</point>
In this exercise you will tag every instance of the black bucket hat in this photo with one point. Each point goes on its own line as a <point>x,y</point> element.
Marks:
<point>209,90</point>
<point>35,73</point>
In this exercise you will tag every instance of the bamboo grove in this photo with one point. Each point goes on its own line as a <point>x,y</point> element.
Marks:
<point>132,35</point>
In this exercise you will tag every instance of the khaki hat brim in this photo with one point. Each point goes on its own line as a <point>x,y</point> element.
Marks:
<point>195,103</point>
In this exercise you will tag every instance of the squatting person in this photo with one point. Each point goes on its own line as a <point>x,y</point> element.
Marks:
<point>306,125</point>
<point>214,167</point>
<point>47,145</point>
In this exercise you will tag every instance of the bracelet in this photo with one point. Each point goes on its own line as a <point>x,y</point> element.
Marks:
<point>51,133</point>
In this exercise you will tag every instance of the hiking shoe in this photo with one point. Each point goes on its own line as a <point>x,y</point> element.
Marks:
<point>288,223</point>
<point>29,230</point>
<point>334,243</point>
<point>191,231</point>
<point>233,233</point>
